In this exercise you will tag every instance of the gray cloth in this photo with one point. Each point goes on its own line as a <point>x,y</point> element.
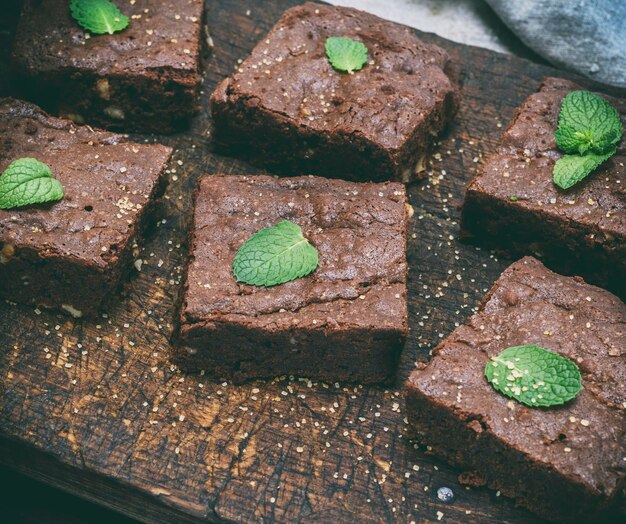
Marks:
<point>586,36</point>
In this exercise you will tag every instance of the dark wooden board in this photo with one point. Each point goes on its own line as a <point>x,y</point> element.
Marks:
<point>95,408</point>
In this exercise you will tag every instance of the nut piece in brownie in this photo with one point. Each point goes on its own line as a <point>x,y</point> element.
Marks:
<point>144,78</point>
<point>74,253</point>
<point>513,202</point>
<point>345,321</point>
<point>565,463</point>
<point>288,108</point>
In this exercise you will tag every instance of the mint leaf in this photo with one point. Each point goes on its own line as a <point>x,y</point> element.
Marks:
<point>571,141</point>
<point>571,169</point>
<point>98,16</point>
<point>346,54</point>
<point>275,255</point>
<point>27,181</point>
<point>587,122</point>
<point>589,130</point>
<point>534,376</point>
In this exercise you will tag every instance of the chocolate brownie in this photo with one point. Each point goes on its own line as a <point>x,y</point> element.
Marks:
<point>567,463</point>
<point>286,106</point>
<point>345,321</point>
<point>144,78</point>
<point>74,253</point>
<point>514,204</point>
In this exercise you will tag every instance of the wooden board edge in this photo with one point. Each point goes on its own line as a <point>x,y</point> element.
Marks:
<point>123,498</point>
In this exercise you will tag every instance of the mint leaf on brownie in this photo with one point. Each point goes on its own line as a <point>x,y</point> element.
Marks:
<point>275,255</point>
<point>571,169</point>
<point>534,376</point>
<point>587,122</point>
<point>98,16</point>
<point>27,181</point>
<point>346,54</point>
<point>589,130</point>
<point>569,140</point>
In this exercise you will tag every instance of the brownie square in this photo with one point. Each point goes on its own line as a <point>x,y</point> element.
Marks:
<point>567,463</point>
<point>286,106</point>
<point>73,254</point>
<point>144,78</point>
<point>345,321</point>
<point>514,204</point>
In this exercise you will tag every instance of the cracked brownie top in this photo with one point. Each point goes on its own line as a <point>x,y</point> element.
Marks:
<point>529,304</point>
<point>358,229</point>
<point>400,90</point>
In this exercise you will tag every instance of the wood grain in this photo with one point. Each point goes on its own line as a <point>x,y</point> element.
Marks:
<point>95,408</point>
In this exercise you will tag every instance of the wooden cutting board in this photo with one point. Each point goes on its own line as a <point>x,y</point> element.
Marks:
<point>95,408</point>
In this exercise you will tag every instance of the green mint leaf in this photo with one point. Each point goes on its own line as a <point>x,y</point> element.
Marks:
<point>534,376</point>
<point>571,169</point>
<point>275,255</point>
<point>98,16</point>
<point>346,54</point>
<point>587,122</point>
<point>571,141</point>
<point>27,181</point>
<point>589,130</point>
